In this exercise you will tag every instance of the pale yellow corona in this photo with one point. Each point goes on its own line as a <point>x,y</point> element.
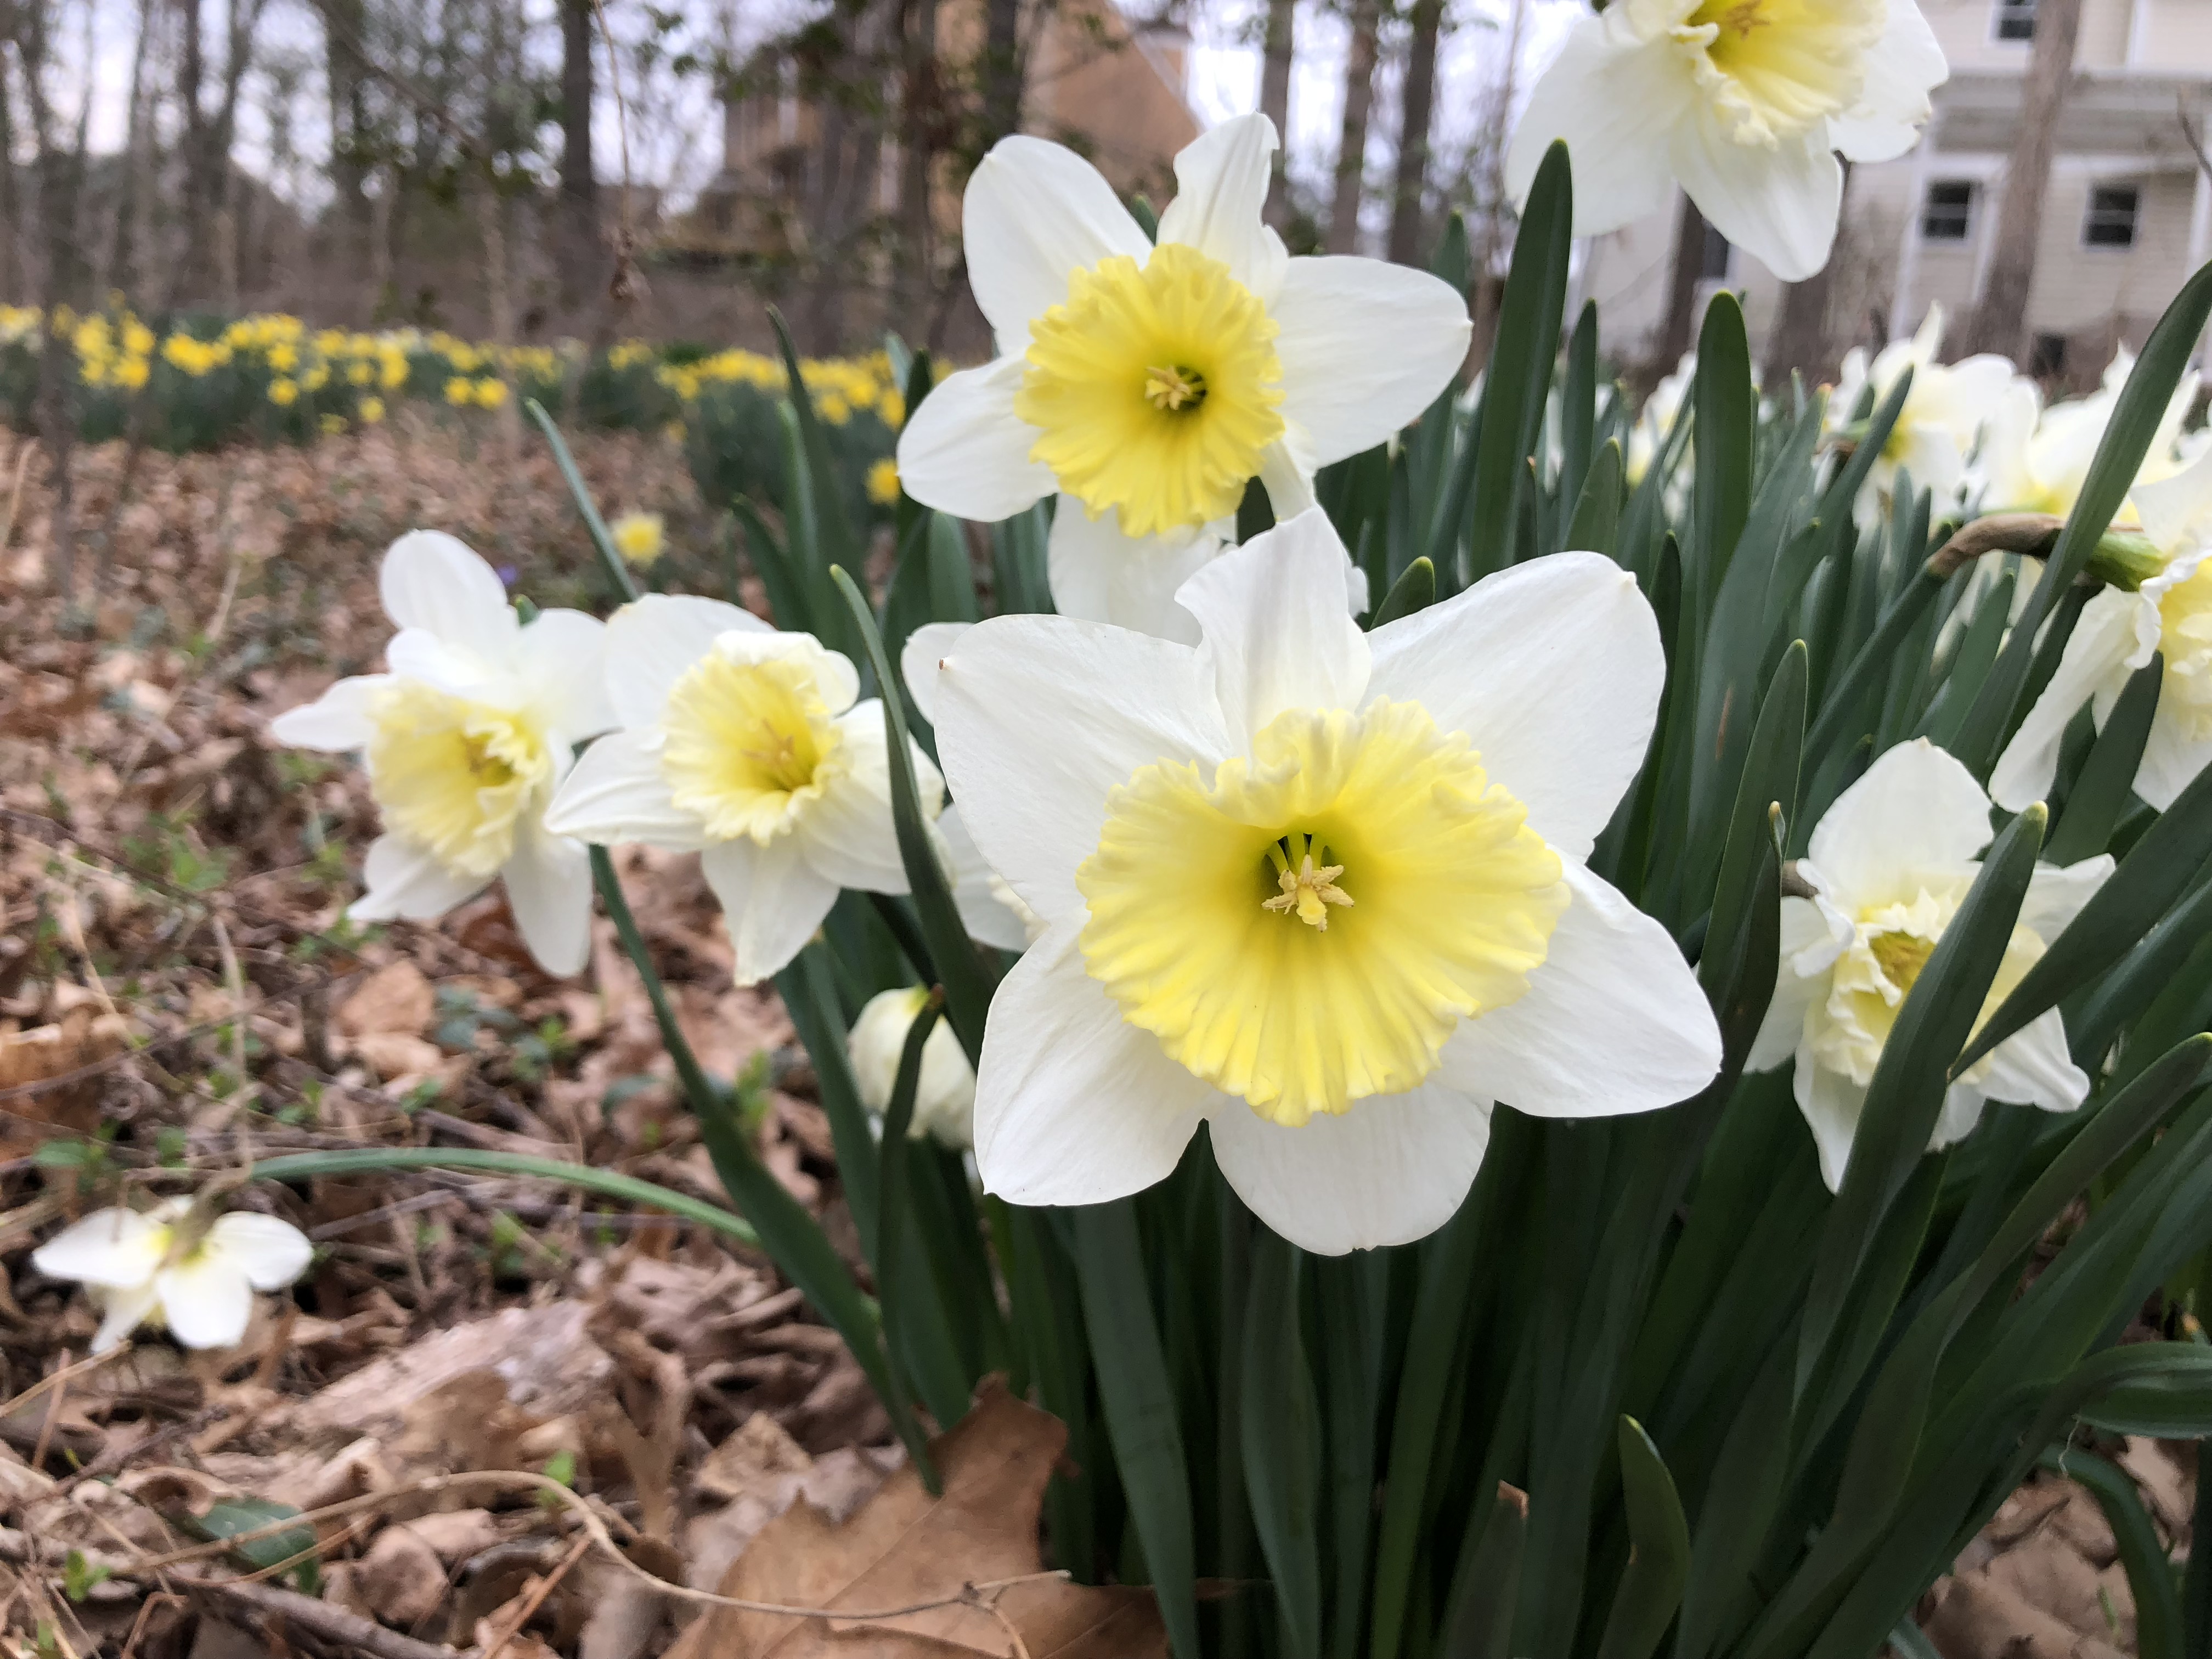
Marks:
<point>1155,388</point>
<point>2185,635</point>
<point>452,775</point>
<point>1308,925</point>
<point>751,745</point>
<point>1776,68</point>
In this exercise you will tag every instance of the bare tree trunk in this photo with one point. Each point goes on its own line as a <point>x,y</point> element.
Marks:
<point>343,22</point>
<point>919,140</point>
<point>1420,96</point>
<point>1351,138</point>
<point>243,19</point>
<point>1002,70</point>
<point>582,255</point>
<point>195,203</point>
<point>1682,285</point>
<point>61,281</point>
<point>116,264</point>
<point>499,290</point>
<point>14,285</point>
<point>2000,318</point>
<point>1278,51</point>
<point>1800,331</point>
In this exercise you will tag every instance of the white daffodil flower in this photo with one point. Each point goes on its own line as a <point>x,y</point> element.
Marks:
<point>746,746</point>
<point>945,1099</point>
<point>2034,459</point>
<point>1655,422</point>
<point>1145,385</point>
<point>1744,103</point>
<point>1322,889</point>
<point>1942,417</point>
<point>1889,864</point>
<point>465,738</point>
<point>2116,634</point>
<point>148,1268</point>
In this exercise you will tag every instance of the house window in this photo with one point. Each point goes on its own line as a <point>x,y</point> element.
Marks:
<point>2111,221</point>
<point>1949,212</point>
<point>2016,19</point>
<point>1713,256</point>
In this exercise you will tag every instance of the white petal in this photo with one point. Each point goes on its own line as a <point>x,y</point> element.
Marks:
<point>432,580</point>
<point>2171,761</point>
<point>2173,507</point>
<point>1221,185</point>
<point>1915,811</point>
<point>835,680</point>
<point>2056,894</point>
<point>653,642</point>
<point>1099,574</point>
<point>1074,1105</point>
<point>1814,934</point>
<point>482,674</point>
<point>617,792</point>
<point>1553,670</point>
<point>771,899</point>
<point>1040,717</point>
<point>2095,659</point>
<point>1393,1168</point>
<point>1963,1106</point>
<point>206,1301</point>
<point>849,836</point>
<point>1036,212</point>
<point>271,1253</point>
<point>1778,205</point>
<point>1278,635</point>
<point>1830,1103</point>
<point>2032,1067</point>
<point>548,889</point>
<point>1614,99</point>
<point>562,660</point>
<point>108,1248</point>
<point>1611,1021</point>
<point>124,1310</point>
<point>404,880</point>
<point>975,894</point>
<point>336,721</point>
<point>965,452</point>
<point>1365,346</point>
<point>918,658</point>
<point>1900,68</point>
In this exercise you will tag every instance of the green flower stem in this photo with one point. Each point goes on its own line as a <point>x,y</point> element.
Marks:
<point>617,572</point>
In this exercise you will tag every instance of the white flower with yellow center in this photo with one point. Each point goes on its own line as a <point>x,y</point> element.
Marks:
<point>465,739</point>
<point>1145,385</point>
<point>746,746</point>
<point>2116,634</point>
<point>2034,459</point>
<point>1941,419</point>
<point>945,1095</point>
<point>198,1280</point>
<point>1185,820</point>
<point>1889,864</point>
<point>1744,103</point>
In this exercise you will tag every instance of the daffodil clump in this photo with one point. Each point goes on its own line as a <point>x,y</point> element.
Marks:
<point>1548,1032</point>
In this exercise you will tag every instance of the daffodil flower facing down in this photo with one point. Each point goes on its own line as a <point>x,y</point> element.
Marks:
<point>465,738</point>
<point>194,1276</point>
<point>1428,792</point>
<point>1147,385</point>
<point>746,746</point>
<point>2116,634</point>
<point>1744,103</point>
<point>1889,864</point>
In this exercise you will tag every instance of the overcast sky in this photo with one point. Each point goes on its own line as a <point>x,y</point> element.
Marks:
<point>680,150</point>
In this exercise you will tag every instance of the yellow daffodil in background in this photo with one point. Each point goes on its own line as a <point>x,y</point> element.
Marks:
<point>746,746</point>
<point>2034,459</point>
<point>460,391</point>
<point>1148,384</point>
<point>197,1279</point>
<point>284,393</point>
<point>944,1101</point>
<point>2118,633</point>
<point>883,481</point>
<point>490,393</point>
<point>639,537</point>
<point>332,424</point>
<point>1944,410</point>
<point>1744,103</point>
<point>371,410</point>
<point>1322,889</point>
<point>466,736</point>
<point>1889,864</point>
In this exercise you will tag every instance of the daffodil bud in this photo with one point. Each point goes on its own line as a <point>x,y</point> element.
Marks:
<point>944,1101</point>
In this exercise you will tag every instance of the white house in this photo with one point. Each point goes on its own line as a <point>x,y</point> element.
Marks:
<point>2128,216</point>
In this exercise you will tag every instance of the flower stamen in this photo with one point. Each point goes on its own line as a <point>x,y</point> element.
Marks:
<point>1307,891</point>
<point>1170,388</point>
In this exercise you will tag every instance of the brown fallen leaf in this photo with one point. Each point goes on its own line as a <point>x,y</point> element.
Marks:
<point>395,1001</point>
<point>84,1036</point>
<point>903,1546</point>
